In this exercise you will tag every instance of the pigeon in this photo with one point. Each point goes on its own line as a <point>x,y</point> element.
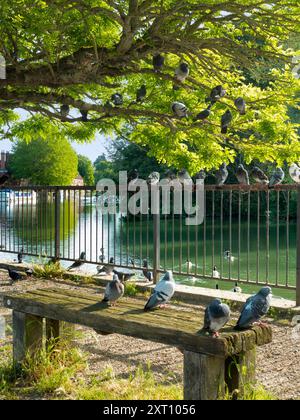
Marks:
<point>64,110</point>
<point>217,93</point>
<point>102,256</point>
<point>236,288</point>
<point>117,99</point>
<point>277,177</point>
<point>217,314</point>
<point>14,275</point>
<point>146,272</point>
<point>242,175</point>
<point>189,265</point>
<point>228,256</point>
<point>133,175</point>
<point>295,173</point>
<point>255,308</point>
<point>215,273</point>
<point>20,256</point>
<point>203,115</point>
<point>113,291</point>
<point>222,175</point>
<point>181,73</point>
<point>184,177</point>
<point>106,269</point>
<point>29,272</point>
<point>170,176</point>
<point>225,121</point>
<point>141,93</point>
<point>201,175</point>
<point>162,293</point>
<point>78,263</point>
<point>240,105</point>
<point>259,176</point>
<point>84,115</point>
<point>158,62</point>
<point>180,110</point>
<point>153,178</point>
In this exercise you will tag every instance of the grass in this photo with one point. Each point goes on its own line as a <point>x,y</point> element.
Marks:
<point>48,271</point>
<point>251,393</point>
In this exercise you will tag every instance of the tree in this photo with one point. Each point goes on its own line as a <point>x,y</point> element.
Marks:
<point>44,161</point>
<point>104,169</point>
<point>86,170</point>
<point>79,53</point>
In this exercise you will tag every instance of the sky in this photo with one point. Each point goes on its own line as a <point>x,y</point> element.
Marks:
<point>92,150</point>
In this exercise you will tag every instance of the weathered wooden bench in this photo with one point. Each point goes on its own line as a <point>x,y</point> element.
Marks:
<point>210,365</point>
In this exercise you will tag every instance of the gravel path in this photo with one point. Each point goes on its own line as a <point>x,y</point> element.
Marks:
<point>278,364</point>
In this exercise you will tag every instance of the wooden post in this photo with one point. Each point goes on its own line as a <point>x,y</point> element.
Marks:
<point>240,371</point>
<point>59,329</point>
<point>27,334</point>
<point>204,376</point>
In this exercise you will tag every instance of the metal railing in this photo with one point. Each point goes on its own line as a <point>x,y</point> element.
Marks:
<point>250,234</point>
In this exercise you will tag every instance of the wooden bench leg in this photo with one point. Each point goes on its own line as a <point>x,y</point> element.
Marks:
<point>240,371</point>
<point>204,376</point>
<point>27,335</point>
<point>59,329</point>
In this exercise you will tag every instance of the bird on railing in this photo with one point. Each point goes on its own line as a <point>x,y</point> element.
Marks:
<point>277,177</point>
<point>242,175</point>
<point>294,171</point>
<point>217,314</point>
<point>133,176</point>
<point>236,288</point>
<point>20,256</point>
<point>162,293</point>
<point>146,272</point>
<point>153,178</point>
<point>222,175</point>
<point>201,175</point>
<point>184,177</point>
<point>113,291</point>
<point>78,263</point>
<point>259,176</point>
<point>106,269</point>
<point>255,308</point>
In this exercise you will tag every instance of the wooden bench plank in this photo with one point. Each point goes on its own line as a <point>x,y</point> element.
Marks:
<point>169,326</point>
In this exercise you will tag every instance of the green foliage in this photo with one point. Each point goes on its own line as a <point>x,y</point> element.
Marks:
<point>79,54</point>
<point>85,169</point>
<point>43,155</point>
<point>130,289</point>
<point>48,271</point>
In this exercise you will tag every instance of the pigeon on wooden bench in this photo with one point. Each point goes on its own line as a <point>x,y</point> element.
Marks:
<point>217,314</point>
<point>114,290</point>
<point>255,308</point>
<point>163,292</point>
<point>78,263</point>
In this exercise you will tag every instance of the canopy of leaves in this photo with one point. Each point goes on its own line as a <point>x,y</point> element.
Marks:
<point>44,160</point>
<point>79,53</point>
<point>86,170</point>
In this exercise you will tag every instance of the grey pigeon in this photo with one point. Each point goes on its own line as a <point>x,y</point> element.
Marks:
<point>201,175</point>
<point>133,175</point>
<point>259,176</point>
<point>240,105</point>
<point>78,263</point>
<point>153,178</point>
<point>64,110</point>
<point>184,177</point>
<point>20,256</point>
<point>162,293</point>
<point>106,269</point>
<point>146,272</point>
<point>158,62</point>
<point>222,175</point>
<point>277,177</point>
<point>117,99</point>
<point>225,121</point>
<point>114,290</point>
<point>181,73</point>
<point>294,171</point>
<point>242,175</point>
<point>217,314</point>
<point>216,94</point>
<point>179,109</point>
<point>14,275</point>
<point>29,272</point>
<point>141,93</point>
<point>84,115</point>
<point>255,308</point>
<point>203,115</point>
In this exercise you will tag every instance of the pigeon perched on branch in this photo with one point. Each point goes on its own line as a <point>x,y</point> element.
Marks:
<point>217,314</point>
<point>64,110</point>
<point>240,105</point>
<point>113,291</point>
<point>225,121</point>
<point>203,115</point>
<point>181,73</point>
<point>117,99</point>
<point>180,110</point>
<point>163,292</point>
<point>242,175</point>
<point>84,115</point>
<point>78,263</point>
<point>277,177</point>
<point>158,62</point>
<point>216,94</point>
<point>255,308</point>
<point>141,93</point>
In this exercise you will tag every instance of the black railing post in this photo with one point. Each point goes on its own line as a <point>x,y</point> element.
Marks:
<point>156,245</point>
<point>57,223</point>
<point>298,249</point>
